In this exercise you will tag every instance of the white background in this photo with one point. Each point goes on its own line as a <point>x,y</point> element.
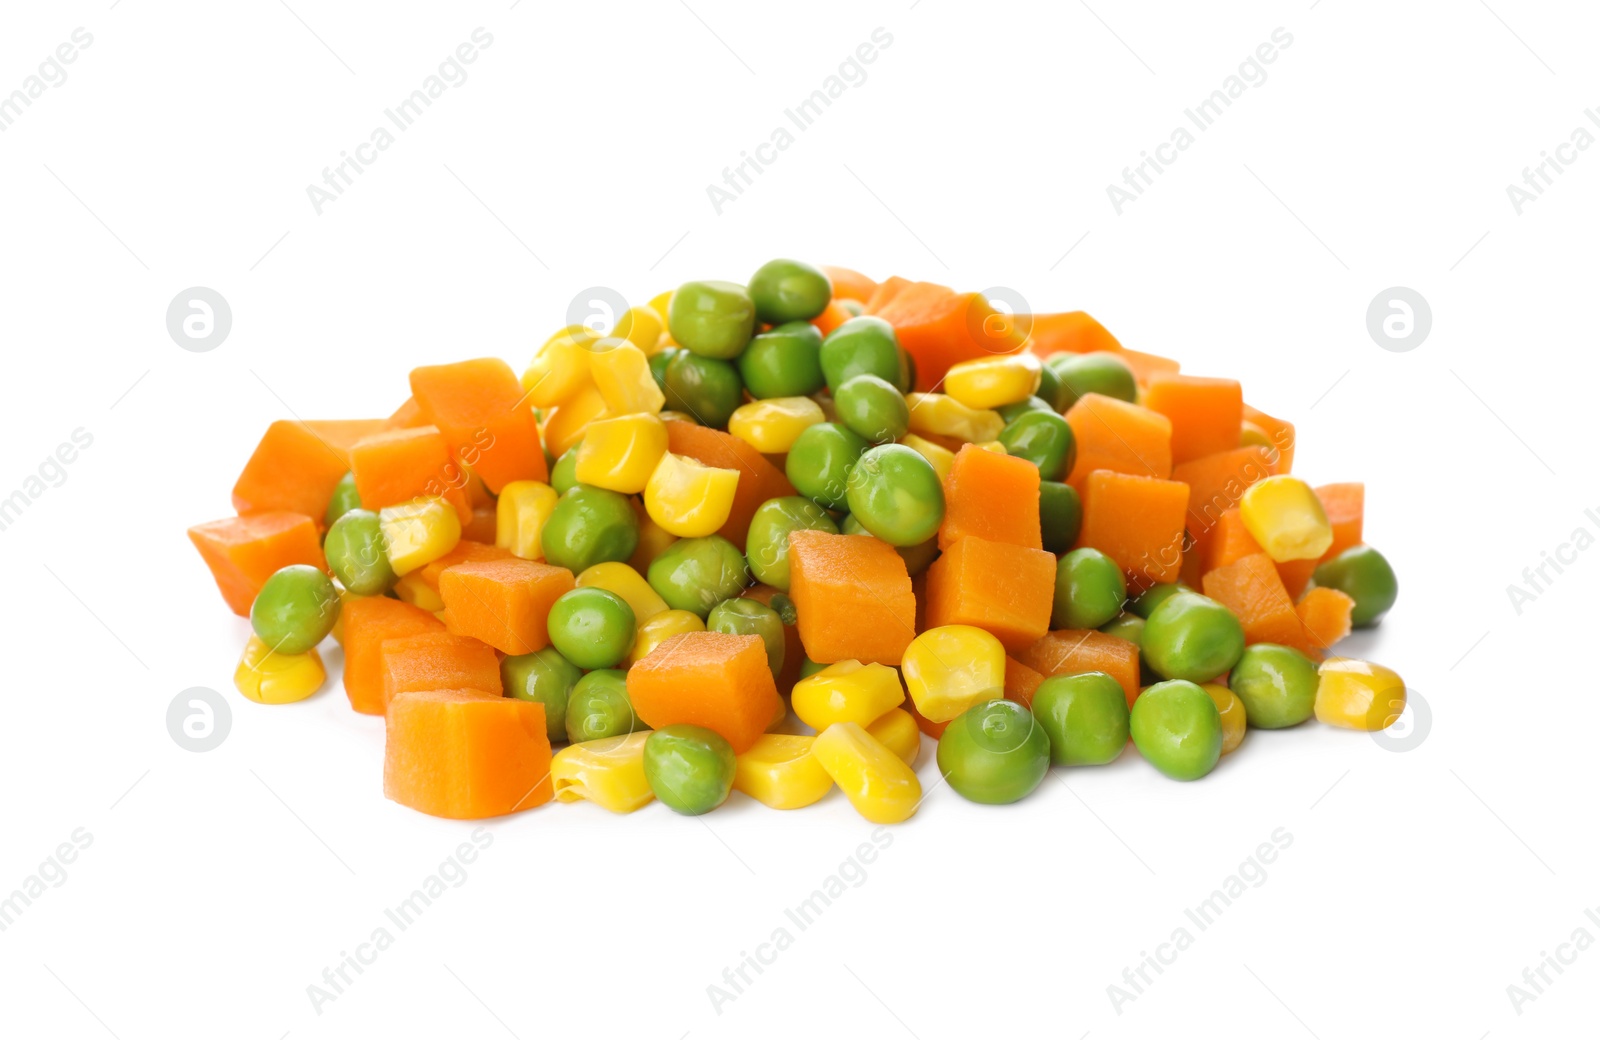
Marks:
<point>218,886</point>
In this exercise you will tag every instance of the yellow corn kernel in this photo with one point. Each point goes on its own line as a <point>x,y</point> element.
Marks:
<point>418,532</point>
<point>779,771</point>
<point>1285,517</point>
<point>847,691</point>
<point>560,369</point>
<point>937,455</point>
<point>627,583</point>
<point>566,424</point>
<point>1251,435</point>
<point>898,732</point>
<point>995,446</point>
<point>653,540</point>
<point>772,425</point>
<point>608,772</point>
<point>1358,694</point>
<point>621,372</point>
<point>413,590</point>
<point>659,303</point>
<point>651,634</point>
<point>943,415</point>
<point>1231,710</point>
<point>989,382</point>
<point>949,669</point>
<point>272,678</point>
<point>520,515</point>
<point>642,327</point>
<point>689,498</point>
<point>620,453</point>
<point>878,783</point>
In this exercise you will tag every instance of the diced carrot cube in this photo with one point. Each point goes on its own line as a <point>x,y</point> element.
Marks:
<point>368,623</point>
<point>1324,620</point>
<point>396,466</point>
<point>505,603</point>
<point>1251,588</point>
<point>466,755</point>
<point>481,410</point>
<point>466,551</point>
<point>992,496</point>
<point>1345,505</point>
<point>832,317</point>
<point>887,290</point>
<point>759,479</point>
<point>853,597</point>
<point>438,661</point>
<point>1071,651</point>
<point>407,415</point>
<point>1138,522</point>
<point>297,464</point>
<point>1147,366</point>
<point>1295,575</point>
<point>483,526</point>
<point>1217,482</point>
<point>1118,436</point>
<point>1205,413</point>
<point>1280,432</point>
<point>939,327</point>
<point>713,679</point>
<point>1229,542</point>
<point>1004,589</point>
<point>1021,682</point>
<point>1071,331</point>
<point>849,284</point>
<point>244,551</point>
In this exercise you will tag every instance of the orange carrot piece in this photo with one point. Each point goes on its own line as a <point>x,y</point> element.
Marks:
<point>850,285</point>
<point>853,596</point>
<point>369,622</point>
<point>1229,542</point>
<point>713,679</point>
<point>481,410</point>
<point>1217,482</point>
<point>1324,620</point>
<point>244,551</point>
<point>1021,682</point>
<point>297,464</point>
<point>1071,651</point>
<point>1251,588</point>
<point>437,661</point>
<point>993,496</point>
<point>466,755</point>
<point>1006,590</point>
<point>759,479</point>
<point>940,327</point>
<point>886,291</point>
<point>397,466</point>
<point>1296,575</point>
<point>484,524</point>
<point>1138,522</point>
<point>1205,413</point>
<point>406,416</point>
<point>466,551</point>
<point>1119,436</point>
<point>505,603</point>
<point>1073,332</point>
<point>832,317</point>
<point>1345,505</point>
<point>1280,432</point>
<point>1147,366</point>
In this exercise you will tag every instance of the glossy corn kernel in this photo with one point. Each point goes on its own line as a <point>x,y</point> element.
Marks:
<point>418,532</point>
<point>938,456</point>
<point>520,515</point>
<point>898,732</point>
<point>944,416</point>
<point>621,372</point>
<point>1358,694</point>
<point>989,382</point>
<point>559,370</point>
<point>949,669</point>
<point>771,426</point>
<point>651,634</point>
<point>642,327</point>
<point>566,424</point>
<point>875,779</point>
<point>627,583</point>
<point>1285,517</point>
<point>847,691</point>
<point>998,447</point>
<point>271,678</point>
<point>608,772</point>
<point>659,303</point>
<point>621,453</point>
<point>689,498</point>
<point>780,772</point>
<point>413,590</point>
<point>1231,710</point>
<point>1253,436</point>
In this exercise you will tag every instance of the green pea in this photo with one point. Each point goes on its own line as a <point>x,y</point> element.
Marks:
<point>863,346</point>
<point>696,574</point>
<point>598,707</point>
<point>1098,373</point>
<point>1126,626</point>
<point>994,753</point>
<point>820,460</point>
<point>564,474</point>
<point>295,609</point>
<point>1192,637</point>
<point>766,545</point>
<point>1090,590</point>
<point>591,627</point>
<point>748,617</point>
<point>784,362</point>
<point>589,525</point>
<point>908,361</point>
<point>895,493</point>
<point>785,608</point>
<point>711,319</point>
<point>873,408</point>
<point>545,677</point>
<point>1147,601</point>
<point>1176,728</point>
<point>344,499</point>
<point>1049,389</point>
<point>355,553</point>
<point>1277,684</point>
<point>789,290</point>
<point>1362,573</point>
<point>1085,716</point>
<point>1010,412</point>
<point>918,557</point>
<point>704,388</point>
<point>690,768</point>
<point>659,362</point>
<point>1060,515</point>
<point>1044,439</point>
<point>808,667</point>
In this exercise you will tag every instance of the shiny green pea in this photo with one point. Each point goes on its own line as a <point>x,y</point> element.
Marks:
<point>1362,573</point>
<point>873,408</point>
<point>1090,590</point>
<point>705,389</point>
<point>295,609</point>
<point>789,290</point>
<point>696,574</point>
<point>345,498</point>
<point>853,307</point>
<point>1101,372</point>
<point>994,753</point>
<point>598,707</point>
<point>1049,388</point>
<point>1126,626</point>
<point>748,617</point>
<point>1036,403</point>
<point>895,493</point>
<point>784,362</point>
<point>1277,684</point>
<point>355,553</point>
<point>589,525</point>
<point>820,461</point>
<point>659,362</point>
<point>1085,716</point>
<point>1192,637</point>
<point>689,768</point>
<point>564,474</point>
<point>766,545</point>
<point>1147,601</point>
<point>1060,515</point>
<point>1176,727</point>
<point>863,346</point>
<point>808,668</point>
<point>545,677</point>
<point>592,627</point>
<point>1044,439</point>
<point>711,319</point>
